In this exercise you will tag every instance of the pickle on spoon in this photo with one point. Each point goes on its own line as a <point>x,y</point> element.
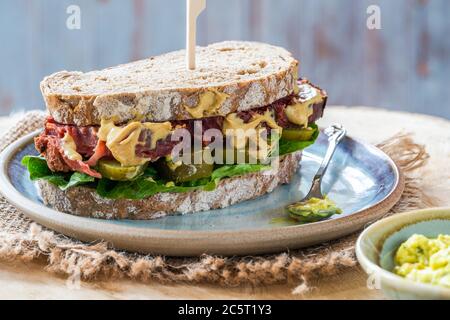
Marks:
<point>313,210</point>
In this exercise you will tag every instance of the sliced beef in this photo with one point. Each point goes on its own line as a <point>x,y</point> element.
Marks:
<point>205,124</point>
<point>48,143</point>
<point>85,137</point>
<point>163,147</point>
<point>80,166</point>
<point>101,151</point>
<point>49,147</point>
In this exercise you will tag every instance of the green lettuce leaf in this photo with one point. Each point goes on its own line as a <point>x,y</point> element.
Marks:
<point>78,178</point>
<point>140,188</point>
<point>38,169</point>
<point>146,186</point>
<point>228,171</point>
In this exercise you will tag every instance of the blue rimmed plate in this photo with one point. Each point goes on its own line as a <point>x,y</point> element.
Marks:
<point>361,179</point>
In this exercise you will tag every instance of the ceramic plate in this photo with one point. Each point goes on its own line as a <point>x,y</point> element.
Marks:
<point>361,179</point>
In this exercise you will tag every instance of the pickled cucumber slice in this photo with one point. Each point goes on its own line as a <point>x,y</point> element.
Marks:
<point>180,172</point>
<point>294,134</point>
<point>113,170</point>
<point>191,172</point>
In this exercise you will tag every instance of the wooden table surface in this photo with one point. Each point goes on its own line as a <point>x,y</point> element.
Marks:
<point>30,281</point>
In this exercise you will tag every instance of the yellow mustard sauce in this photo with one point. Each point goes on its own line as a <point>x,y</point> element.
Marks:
<point>208,104</point>
<point>302,108</point>
<point>122,140</point>
<point>70,148</point>
<point>425,260</point>
<point>239,131</point>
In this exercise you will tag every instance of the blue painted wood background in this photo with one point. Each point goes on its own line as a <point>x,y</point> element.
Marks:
<point>404,66</point>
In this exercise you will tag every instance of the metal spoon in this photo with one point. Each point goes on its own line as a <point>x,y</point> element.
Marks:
<point>301,211</point>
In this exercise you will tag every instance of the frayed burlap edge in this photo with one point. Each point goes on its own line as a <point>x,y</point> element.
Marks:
<point>21,239</point>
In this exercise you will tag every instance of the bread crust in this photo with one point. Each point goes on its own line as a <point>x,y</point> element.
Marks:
<point>84,201</point>
<point>250,74</point>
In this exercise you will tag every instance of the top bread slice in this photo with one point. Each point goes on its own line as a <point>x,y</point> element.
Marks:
<point>244,75</point>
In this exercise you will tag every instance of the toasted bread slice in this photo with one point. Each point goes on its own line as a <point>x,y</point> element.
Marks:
<point>84,201</point>
<point>230,76</point>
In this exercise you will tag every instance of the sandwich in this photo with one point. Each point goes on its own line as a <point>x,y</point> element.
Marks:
<point>107,147</point>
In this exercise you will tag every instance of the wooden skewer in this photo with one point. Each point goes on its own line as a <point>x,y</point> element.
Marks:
<point>194,8</point>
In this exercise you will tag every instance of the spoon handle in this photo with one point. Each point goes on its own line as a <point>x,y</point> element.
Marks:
<point>335,134</point>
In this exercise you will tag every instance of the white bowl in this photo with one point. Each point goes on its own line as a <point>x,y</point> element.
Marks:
<point>376,247</point>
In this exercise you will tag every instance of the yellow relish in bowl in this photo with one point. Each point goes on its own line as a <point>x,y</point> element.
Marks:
<point>425,260</point>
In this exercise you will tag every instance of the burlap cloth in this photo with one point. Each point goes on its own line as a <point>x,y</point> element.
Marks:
<point>21,239</point>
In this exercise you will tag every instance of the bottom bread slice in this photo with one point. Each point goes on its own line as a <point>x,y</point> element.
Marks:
<point>84,201</point>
